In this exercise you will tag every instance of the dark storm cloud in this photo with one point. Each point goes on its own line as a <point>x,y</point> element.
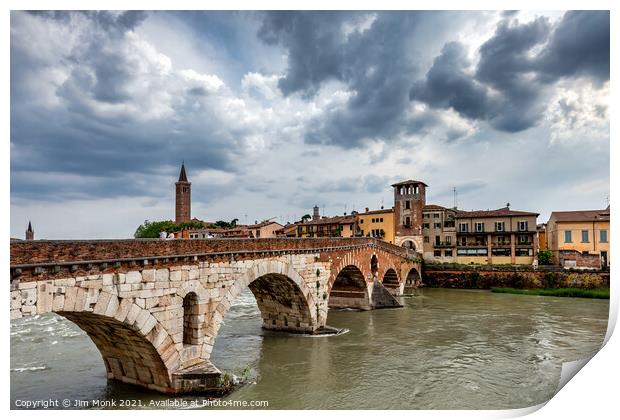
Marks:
<point>508,85</point>
<point>374,62</point>
<point>447,85</point>
<point>579,46</point>
<point>80,137</point>
<point>112,21</point>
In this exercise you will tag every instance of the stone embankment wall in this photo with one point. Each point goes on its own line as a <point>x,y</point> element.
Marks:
<point>526,278</point>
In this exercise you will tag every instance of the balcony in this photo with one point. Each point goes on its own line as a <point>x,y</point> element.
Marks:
<point>443,245</point>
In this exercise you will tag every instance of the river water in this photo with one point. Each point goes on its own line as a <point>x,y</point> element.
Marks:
<point>446,349</point>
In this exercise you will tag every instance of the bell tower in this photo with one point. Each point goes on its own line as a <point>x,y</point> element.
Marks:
<point>409,202</point>
<point>183,199</point>
<point>29,232</point>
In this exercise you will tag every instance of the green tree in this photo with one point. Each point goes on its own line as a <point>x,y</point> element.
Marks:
<point>150,229</point>
<point>305,217</point>
<point>545,256</point>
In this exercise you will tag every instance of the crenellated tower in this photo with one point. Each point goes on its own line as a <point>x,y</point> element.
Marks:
<point>409,201</point>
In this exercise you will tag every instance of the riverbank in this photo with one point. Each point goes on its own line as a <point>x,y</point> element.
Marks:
<point>599,293</point>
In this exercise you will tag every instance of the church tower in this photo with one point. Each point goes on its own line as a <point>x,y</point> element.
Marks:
<point>29,232</point>
<point>183,199</point>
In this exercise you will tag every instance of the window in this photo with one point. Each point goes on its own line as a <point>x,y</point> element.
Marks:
<point>437,253</point>
<point>479,227</point>
<point>436,215</point>
<point>463,227</point>
<point>407,221</point>
<point>523,226</point>
<point>584,236</point>
<point>524,240</point>
<point>426,215</point>
<point>426,240</point>
<point>361,221</point>
<point>437,241</point>
<point>426,226</point>
<point>258,233</point>
<point>524,252</point>
<point>463,241</point>
<point>448,240</point>
<point>448,252</point>
<point>437,225</point>
<point>603,236</point>
<point>381,220</point>
<point>499,226</point>
<point>407,204</point>
<point>568,236</point>
<point>504,252</point>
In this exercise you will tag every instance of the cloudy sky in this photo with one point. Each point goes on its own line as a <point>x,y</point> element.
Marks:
<point>275,112</point>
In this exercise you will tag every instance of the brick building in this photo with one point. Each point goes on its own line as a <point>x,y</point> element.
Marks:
<point>409,202</point>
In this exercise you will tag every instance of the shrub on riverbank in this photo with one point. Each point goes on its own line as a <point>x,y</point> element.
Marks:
<point>599,293</point>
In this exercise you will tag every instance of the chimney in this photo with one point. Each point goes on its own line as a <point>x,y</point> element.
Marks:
<point>366,209</point>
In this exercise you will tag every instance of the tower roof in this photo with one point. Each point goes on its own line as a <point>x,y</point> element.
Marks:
<point>29,227</point>
<point>182,174</point>
<point>408,182</point>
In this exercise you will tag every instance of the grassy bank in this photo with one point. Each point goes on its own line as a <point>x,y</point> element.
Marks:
<point>601,293</point>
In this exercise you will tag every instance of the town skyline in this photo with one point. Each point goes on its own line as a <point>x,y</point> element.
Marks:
<point>271,130</point>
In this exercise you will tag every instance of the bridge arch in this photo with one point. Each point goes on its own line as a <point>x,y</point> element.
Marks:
<point>412,281</point>
<point>391,281</point>
<point>349,290</point>
<point>283,298</point>
<point>134,345</point>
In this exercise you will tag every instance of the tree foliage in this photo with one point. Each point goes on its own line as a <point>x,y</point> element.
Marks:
<point>544,257</point>
<point>150,229</point>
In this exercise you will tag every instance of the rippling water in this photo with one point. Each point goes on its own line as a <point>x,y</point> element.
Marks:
<point>446,349</point>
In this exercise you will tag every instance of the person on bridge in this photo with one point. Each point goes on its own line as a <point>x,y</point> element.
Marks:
<point>162,234</point>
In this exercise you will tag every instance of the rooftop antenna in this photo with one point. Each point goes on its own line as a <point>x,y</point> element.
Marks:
<point>381,205</point>
<point>345,208</point>
<point>607,200</point>
<point>455,197</point>
<point>323,206</point>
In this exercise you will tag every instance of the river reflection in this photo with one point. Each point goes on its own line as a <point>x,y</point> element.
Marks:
<point>445,349</point>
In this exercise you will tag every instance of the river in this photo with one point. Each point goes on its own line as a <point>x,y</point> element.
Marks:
<point>446,349</point>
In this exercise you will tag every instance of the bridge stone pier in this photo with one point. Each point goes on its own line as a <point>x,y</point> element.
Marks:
<point>154,308</point>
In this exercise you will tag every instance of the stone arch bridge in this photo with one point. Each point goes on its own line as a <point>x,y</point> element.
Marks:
<point>153,308</point>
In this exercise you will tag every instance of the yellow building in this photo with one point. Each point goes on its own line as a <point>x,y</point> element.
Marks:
<point>580,238</point>
<point>376,224</point>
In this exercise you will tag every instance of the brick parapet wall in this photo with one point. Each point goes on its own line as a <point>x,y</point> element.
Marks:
<point>54,252</point>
